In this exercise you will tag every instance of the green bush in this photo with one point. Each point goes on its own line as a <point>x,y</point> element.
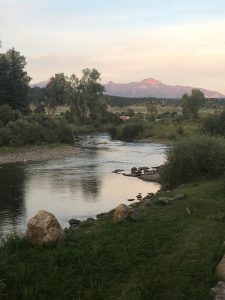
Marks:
<point>5,136</point>
<point>192,158</point>
<point>7,114</point>
<point>128,130</point>
<point>35,130</point>
<point>214,124</point>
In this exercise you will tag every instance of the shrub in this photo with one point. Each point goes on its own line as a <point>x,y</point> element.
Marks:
<point>214,124</point>
<point>192,158</point>
<point>128,130</point>
<point>5,136</point>
<point>7,114</point>
<point>35,129</point>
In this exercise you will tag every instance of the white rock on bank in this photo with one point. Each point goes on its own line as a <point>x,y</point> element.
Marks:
<point>44,228</point>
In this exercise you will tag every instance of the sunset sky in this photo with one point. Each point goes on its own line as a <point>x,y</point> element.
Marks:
<point>175,41</point>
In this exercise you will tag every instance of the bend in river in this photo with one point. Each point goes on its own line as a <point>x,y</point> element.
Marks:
<point>80,186</point>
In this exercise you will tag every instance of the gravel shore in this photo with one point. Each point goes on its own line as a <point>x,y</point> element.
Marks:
<point>38,153</point>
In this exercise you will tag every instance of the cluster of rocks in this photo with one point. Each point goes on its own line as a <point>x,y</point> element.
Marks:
<point>151,199</point>
<point>144,173</point>
<point>74,223</point>
<point>44,228</point>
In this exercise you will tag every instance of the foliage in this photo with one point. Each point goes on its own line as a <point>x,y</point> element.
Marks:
<point>126,101</point>
<point>85,95</point>
<point>55,92</point>
<point>37,97</point>
<point>130,112</point>
<point>194,157</point>
<point>14,80</point>
<point>165,129</point>
<point>35,129</point>
<point>128,130</point>
<point>7,114</point>
<point>214,124</point>
<point>151,109</point>
<point>192,104</point>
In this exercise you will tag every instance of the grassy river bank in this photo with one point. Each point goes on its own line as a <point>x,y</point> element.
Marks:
<point>169,254</point>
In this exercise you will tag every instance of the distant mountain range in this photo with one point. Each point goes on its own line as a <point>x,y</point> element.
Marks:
<point>41,84</point>
<point>148,88</point>
<point>153,88</point>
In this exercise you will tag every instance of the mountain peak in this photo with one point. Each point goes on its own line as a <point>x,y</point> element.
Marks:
<point>151,87</point>
<point>151,81</point>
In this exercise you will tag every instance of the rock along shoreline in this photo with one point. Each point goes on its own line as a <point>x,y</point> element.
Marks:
<point>38,153</point>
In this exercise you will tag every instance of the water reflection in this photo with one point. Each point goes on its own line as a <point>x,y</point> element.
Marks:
<point>91,188</point>
<point>75,187</point>
<point>12,207</point>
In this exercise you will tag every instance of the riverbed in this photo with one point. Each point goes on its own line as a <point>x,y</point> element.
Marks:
<point>78,186</point>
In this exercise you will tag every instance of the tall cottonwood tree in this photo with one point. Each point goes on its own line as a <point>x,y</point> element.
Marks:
<point>14,80</point>
<point>55,92</point>
<point>191,104</point>
<point>85,95</point>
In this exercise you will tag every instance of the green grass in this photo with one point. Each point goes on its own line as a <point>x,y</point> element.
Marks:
<point>164,129</point>
<point>170,130</point>
<point>142,109</point>
<point>167,255</point>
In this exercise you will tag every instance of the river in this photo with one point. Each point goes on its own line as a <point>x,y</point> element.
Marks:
<point>75,187</point>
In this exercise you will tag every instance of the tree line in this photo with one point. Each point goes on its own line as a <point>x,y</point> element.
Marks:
<point>83,95</point>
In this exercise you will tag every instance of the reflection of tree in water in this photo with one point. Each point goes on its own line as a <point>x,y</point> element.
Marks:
<point>91,188</point>
<point>11,195</point>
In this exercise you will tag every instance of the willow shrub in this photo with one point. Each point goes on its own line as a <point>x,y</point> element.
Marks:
<point>36,130</point>
<point>193,158</point>
<point>128,130</point>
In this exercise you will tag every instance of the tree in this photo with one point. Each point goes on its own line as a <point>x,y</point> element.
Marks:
<point>152,111</point>
<point>192,103</point>
<point>14,80</point>
<point>85,95</point>
<point>130,112</point>
<point>7,114</point>
<point>37,98</point>
<point>55,92</point>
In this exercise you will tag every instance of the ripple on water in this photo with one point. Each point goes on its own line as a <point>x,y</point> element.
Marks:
<point>75,187</point>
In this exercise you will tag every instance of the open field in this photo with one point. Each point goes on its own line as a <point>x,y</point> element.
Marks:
<point>142,109</point>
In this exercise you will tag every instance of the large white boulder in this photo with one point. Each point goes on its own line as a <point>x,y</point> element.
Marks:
<point>44,228</point>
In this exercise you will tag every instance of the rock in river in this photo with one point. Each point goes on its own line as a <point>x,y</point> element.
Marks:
<point>148,177</point>
<point>44,228</point>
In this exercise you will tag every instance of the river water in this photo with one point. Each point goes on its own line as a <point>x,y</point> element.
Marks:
<point>75,187</point>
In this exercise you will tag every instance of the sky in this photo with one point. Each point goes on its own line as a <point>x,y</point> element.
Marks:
<point>174,41</point>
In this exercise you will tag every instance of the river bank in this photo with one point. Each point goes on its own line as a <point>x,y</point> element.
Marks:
<point>155,140</point>
<point>169,254</point>
<point>36,153</point>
